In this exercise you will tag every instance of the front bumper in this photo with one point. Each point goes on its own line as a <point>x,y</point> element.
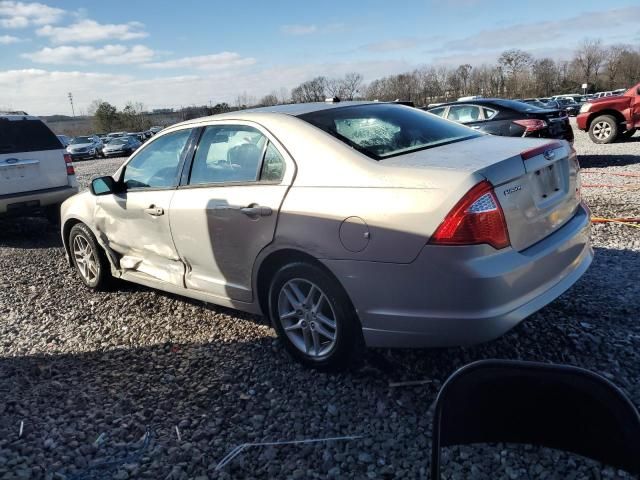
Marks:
<point>451,296</point>
<point>582,121</point>
<point>83,155</point>
<point>116,153</point>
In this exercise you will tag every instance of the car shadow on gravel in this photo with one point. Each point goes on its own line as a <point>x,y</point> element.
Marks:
<point>605,161</point>
<point>28,233</point>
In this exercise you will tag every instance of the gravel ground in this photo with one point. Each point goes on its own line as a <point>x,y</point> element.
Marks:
<point>87,374</point>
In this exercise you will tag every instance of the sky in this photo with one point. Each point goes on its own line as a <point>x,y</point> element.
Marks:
<point>168,54</point>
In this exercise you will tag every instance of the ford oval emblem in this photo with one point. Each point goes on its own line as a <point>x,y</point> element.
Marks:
<point>549,154</point>
<point>12,160</point>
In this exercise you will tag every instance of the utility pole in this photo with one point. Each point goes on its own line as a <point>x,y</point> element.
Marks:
<point>70,95</point>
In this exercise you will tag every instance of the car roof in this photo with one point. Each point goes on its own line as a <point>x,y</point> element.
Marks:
<point>293,109</point>
<point>296,109</point>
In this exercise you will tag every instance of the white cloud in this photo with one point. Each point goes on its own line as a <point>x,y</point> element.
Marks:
<point>15,14</point>
<point>589,24</point>
<point>298,29</point>
<point>84,54</point>
<point>217,61</point>
<point>42,92</point>
<point>8,39</point>
<point>88,31</point>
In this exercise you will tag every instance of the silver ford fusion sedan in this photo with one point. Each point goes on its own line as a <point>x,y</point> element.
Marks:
<point>347,224</point>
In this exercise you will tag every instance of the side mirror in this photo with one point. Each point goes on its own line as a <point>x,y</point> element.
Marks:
<point>638,90</point>
<point>103,186</point>
<point>555,406</point>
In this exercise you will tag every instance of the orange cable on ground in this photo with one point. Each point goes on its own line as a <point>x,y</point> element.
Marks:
<point>610,173</point>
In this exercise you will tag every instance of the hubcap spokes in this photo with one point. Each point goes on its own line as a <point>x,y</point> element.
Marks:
<point>602,130</point>
<point>307,317</point>
<point>85,259</point>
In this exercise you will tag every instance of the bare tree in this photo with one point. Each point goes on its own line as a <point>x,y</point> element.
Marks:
<point>545,76</point>
<point>313,90</point>
<point>615,56</point>
<point>514,62</point>
<point>589,58</point>
<point>269,100</point>
<point>463,72</point>
<point>351,85</point>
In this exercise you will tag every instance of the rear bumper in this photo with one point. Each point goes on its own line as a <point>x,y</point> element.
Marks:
<point>29,202</point>
<point>452,296</point>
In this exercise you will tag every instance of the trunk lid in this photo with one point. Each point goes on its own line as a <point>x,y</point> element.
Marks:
<point>538,195</point>
<point>31,156</point>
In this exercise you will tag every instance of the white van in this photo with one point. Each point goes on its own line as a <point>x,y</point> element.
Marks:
<point>36,174</point>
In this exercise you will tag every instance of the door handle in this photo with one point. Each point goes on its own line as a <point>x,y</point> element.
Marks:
<point>154,211</point>
<point>257,211</point>
<point>475,127</point>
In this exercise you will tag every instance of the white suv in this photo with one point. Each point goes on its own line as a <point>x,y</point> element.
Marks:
<point>36,174</point>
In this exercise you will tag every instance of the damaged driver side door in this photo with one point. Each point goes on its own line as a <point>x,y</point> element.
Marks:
<point>134,221</point>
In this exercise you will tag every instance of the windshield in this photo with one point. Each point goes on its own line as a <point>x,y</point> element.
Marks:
<point>385,130</point>
<point>78,140</point>
<point>118,141</point>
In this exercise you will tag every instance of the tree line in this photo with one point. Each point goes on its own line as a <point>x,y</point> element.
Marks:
<point>516,74</point>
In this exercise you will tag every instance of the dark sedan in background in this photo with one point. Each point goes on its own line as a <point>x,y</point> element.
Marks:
<point>507,118</point>
<point>121,147</point>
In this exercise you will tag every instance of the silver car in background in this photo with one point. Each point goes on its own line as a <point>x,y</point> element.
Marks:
<point>347,224</point>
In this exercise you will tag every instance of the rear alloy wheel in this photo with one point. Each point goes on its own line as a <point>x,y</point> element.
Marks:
<point>604,129</point>
<point>314,318</point>
<point>88,258</point>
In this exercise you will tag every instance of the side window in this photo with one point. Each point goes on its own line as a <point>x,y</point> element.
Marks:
<point>489,113</point>
<point>156,165</point>
<point>273,165</point>
<point>228,153</point>
<point>438,111</point>
<point>463,113</point>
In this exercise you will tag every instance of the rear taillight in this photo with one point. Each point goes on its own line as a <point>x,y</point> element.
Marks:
<point>476,219</point>
<point>531,124</point>
<point>69,162</point>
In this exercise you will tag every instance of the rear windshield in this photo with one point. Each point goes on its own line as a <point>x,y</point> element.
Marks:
<point>385,130</point>
<point>26,136</point>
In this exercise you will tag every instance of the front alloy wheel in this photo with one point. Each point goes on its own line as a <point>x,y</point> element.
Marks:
<point>89,259</point>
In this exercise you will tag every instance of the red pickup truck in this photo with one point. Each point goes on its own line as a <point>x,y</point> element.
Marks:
<point>609,118</point>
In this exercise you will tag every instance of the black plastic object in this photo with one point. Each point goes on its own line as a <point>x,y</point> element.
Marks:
<point>555,406</point>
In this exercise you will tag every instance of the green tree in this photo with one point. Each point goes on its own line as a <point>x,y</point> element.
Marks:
<point>105,116</point>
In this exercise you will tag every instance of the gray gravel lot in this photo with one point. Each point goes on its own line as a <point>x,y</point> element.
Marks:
<point>87,374</point>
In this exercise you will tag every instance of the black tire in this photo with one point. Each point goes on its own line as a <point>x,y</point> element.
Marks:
<point>603,129</point>
<point>103,279</point>
<point>348,349</point>
<point>52,213</point>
